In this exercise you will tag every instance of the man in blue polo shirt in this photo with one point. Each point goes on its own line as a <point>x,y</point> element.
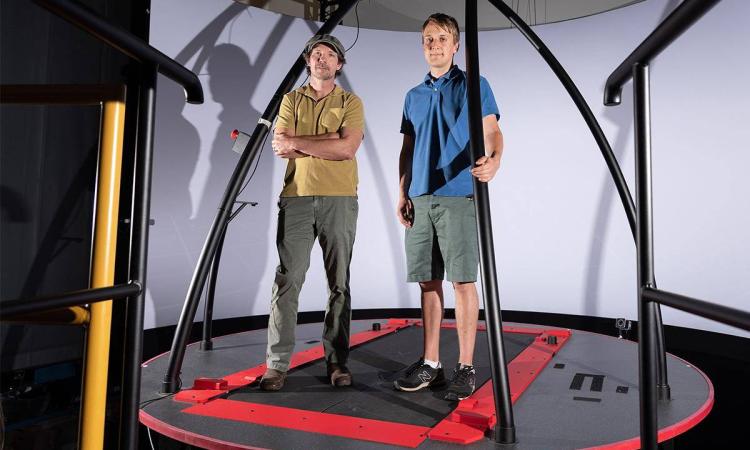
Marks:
<point>436,203</point>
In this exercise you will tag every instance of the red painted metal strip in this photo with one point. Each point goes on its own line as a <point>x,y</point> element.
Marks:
<point>477,413</point>
<point>314,422</point>
<point>244,377</point>
<point>187,437</point>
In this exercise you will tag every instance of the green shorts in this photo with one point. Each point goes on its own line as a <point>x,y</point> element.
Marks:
<point>443,238</point>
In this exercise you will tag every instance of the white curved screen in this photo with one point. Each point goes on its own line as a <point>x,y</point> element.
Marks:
<point>562,240</point>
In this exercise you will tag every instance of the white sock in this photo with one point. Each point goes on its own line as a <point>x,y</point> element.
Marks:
<point>433,364</point>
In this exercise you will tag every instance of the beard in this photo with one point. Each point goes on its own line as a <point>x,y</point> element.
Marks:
<point>324,74</point>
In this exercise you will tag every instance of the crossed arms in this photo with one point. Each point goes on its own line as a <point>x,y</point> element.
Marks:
<point>332,146</point>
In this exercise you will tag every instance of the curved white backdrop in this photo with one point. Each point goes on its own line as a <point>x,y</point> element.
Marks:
<point>562,240</point>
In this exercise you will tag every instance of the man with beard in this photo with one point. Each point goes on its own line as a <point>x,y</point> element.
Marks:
<point>319,129</point>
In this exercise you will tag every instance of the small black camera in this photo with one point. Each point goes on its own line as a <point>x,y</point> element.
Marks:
<point>622,325</point>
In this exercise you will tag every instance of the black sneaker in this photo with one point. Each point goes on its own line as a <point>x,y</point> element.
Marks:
<point>419,375</point>
<point>462,383</point>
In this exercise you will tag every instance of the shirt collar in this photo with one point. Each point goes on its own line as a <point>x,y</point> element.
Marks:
<point>307,91</point>
<point>450,74</point>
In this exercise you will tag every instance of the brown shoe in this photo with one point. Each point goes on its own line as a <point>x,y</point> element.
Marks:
<point>339,375</point>
<point>273,380</point>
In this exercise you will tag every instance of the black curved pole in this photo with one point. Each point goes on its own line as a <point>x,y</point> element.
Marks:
<point>128,44</point>
<point>682,18</point>
<point>609,157</point>
<point>583,107</point>
<point>208,311</point>
<point>213,276</point>
<point>177,353</point>
<point>505,430</point>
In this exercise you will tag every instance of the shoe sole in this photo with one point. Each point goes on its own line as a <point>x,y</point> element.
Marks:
<point>416,388</point>
<point>451,397</point>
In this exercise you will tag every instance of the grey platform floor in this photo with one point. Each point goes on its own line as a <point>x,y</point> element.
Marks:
<point>549,415</point>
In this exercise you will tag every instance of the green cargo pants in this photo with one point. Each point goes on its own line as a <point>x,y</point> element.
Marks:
<point>333,221</point>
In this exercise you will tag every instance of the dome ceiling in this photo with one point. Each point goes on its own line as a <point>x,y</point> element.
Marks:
<point>408,15</point>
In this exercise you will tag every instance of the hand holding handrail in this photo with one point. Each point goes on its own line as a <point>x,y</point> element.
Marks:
<point>128,44</point>
<point>682,18</point>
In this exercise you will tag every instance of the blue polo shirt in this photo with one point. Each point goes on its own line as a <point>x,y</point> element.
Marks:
<point>436,114</point>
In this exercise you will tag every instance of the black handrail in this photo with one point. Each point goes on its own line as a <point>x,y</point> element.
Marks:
<point>128,44</point>
<point>20,307</point>
<point>177,352</point>
<point>719,313</point>
<point>682,18</point>
<point>649,297</point>
<point>152,61</point>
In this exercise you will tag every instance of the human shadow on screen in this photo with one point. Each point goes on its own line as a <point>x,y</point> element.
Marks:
<point>231,80</point>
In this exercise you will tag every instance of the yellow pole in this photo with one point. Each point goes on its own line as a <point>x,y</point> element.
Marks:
<point>103,271</point>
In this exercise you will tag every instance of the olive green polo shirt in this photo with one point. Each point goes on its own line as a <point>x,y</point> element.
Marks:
<point>302,114</point>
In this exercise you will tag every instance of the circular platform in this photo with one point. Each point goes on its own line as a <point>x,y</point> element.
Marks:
<point>571,389</point>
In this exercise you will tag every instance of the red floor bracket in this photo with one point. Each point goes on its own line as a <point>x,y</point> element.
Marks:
<point>474,416</point>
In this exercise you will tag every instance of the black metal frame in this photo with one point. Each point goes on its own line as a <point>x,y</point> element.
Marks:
<point>141,214</point>
<point>636,65</point>
<point>505,431</point>
<point>20,307</point>
<point>682,18</point>
<point>152,61</point>
<point>128,44</point>
<point>651,347</point>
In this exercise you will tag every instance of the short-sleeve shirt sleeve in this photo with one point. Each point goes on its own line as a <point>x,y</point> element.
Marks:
<point>489,105</point>
<point>286,113</point>
<point>354,113</point>
<point>407,127</point>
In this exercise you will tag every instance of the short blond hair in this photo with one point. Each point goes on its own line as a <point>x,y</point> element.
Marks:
<point>446,22</point>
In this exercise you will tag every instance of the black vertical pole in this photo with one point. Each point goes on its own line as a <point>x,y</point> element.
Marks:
<point>208,311</point>
<point>647,333</point>
<point>662,381</point>
<point>505,431</point>
<point>133,353</point>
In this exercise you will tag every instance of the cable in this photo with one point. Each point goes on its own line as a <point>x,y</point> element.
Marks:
<point>145,403</point>
<point>356,13</point>
<point>148,430</point>
<point>257,163</point>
